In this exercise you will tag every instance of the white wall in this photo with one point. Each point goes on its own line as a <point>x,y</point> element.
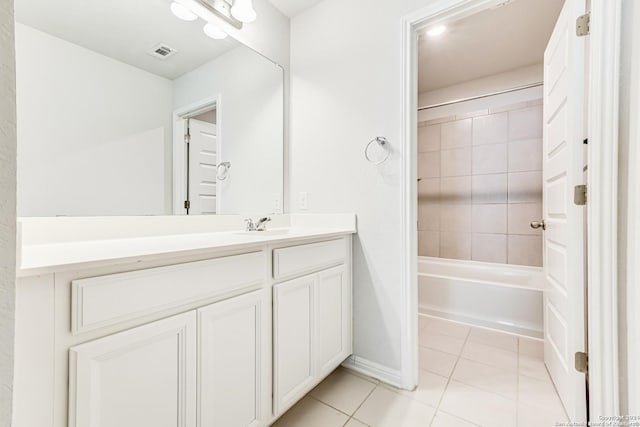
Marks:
<point>94,133</point>
<point>490,84</point>
<point>250,126</point>
<point>7,209</point>
<point>346,88</point>
<point>629,210</point>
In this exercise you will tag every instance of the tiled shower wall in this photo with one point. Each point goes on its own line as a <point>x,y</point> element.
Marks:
<point>480,185</point>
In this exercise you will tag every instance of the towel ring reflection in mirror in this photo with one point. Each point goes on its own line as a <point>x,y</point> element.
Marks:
<point>222,170</point>
<point>379,156</point>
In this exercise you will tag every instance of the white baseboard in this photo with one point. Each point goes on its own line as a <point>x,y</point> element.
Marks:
<point>375,370</point>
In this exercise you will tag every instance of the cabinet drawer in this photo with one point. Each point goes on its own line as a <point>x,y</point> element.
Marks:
<point>303,259</point>
<point>107,300</point>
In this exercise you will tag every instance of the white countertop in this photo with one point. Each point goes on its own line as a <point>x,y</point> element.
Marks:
<point>42,255</point>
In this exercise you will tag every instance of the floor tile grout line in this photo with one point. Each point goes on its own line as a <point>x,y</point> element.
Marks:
<point>362,403</point>
<point>458,417</point>
<point>493,393</point>
<point>450,378</point>
<point>356,374</point>
<point>485,328</point>
<point>469,360</point>
<point>330,406</point>
<point>471,341</point>
<point>460,357</point>
<point>433,373</point>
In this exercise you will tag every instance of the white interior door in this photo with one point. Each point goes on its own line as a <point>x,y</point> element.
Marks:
<point>202,167</point>
<point>564,240</point>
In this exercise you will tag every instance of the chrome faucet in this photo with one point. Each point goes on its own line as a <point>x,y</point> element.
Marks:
<point>259,225</point>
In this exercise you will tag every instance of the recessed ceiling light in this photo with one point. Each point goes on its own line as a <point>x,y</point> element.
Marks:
<point>182,12</point>
<point>437,31</point>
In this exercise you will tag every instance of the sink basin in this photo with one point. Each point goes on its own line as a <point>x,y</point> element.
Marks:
<point>266,233</point>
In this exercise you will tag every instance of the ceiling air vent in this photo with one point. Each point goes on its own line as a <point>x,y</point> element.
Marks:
<point>162,51</point>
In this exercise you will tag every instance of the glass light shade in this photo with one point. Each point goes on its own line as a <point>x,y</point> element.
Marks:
<point>182,12</point>
<point>243,11</point>
<point>214,31</point>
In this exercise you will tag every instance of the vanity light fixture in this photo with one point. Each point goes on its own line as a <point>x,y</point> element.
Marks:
<point>437,31</point>
<point>182,12</point>
<point>213,31</point>
<point>233,12</point>
<point>243,11</point>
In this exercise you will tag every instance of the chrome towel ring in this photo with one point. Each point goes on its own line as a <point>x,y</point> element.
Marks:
<point>222,170</point>
<point>383,145</point>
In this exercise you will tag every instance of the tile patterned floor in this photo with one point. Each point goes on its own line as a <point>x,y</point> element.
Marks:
<point>469,377</point>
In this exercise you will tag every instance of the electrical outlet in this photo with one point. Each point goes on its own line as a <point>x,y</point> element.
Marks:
<point>303,201</point>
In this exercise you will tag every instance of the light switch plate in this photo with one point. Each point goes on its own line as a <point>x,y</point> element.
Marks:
<point>277,203</point>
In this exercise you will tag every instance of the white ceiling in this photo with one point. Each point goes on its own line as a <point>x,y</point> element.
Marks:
<point>125,30</point>
<point>489,42</point>
<point>293,7</point>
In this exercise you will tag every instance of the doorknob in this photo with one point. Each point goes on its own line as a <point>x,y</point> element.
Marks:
<point>538,224</point>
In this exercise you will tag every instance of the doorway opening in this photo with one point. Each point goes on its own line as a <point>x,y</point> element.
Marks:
<point>198,170</point>
<point>496,220</point>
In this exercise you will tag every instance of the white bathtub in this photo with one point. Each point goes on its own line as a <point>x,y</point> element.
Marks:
<point>498,296</point>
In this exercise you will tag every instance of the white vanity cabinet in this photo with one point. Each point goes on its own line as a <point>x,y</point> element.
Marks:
<point>311,319</point>
<point>234,364</point>
<point>214,359</point>
<point>230,338</point>
<point>332,320</point>
<point>145,376</point>
<point>293,343</point>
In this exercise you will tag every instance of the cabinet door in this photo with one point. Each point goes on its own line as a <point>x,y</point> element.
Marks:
<point>293,342</point>
<point>233,359</point>
<point>332,320</point>
<point>145,376</point>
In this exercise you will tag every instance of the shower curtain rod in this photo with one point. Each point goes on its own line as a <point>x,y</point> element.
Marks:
<point>486,95</point>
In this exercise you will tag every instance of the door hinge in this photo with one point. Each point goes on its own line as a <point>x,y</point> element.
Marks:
<point>582,362</point>
<point>580,195</point>
<point>583,25</point>
<point>187,138</point>
<point>187,204</point>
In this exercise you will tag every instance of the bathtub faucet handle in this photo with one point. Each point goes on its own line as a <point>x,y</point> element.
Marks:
<point>538,224</point>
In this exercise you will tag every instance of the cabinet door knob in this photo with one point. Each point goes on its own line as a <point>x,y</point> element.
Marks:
<point>538,224</point>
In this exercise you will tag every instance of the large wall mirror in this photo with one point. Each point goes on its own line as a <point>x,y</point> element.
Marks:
<point>124,109</point>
